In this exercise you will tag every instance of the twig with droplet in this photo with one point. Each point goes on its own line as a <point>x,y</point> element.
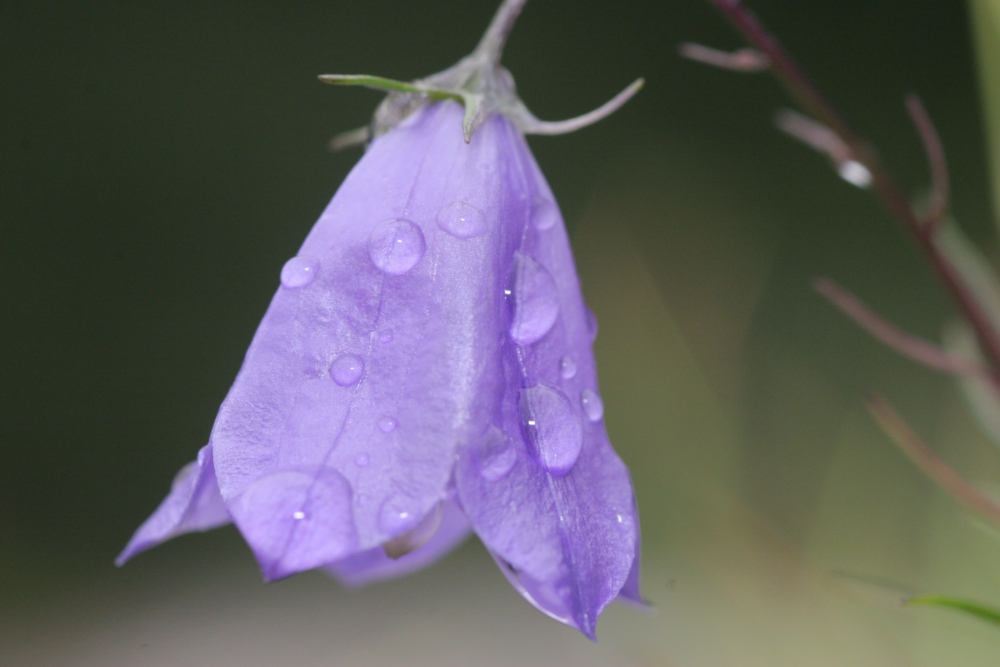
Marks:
<point>851,147</point>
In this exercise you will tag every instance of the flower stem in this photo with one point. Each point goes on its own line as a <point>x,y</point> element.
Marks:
<point>492,43</point>
<point>802,89</point>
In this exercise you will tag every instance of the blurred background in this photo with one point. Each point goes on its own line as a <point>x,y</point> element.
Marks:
<point>160,161</point>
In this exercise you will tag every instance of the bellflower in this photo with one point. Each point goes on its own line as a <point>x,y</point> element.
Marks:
<point>425,370</point>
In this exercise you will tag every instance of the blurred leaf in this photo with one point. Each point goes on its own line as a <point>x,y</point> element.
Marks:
<point>982,611</point>
<point>986,28</point>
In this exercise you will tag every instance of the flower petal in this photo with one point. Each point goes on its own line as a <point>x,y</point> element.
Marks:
<point>373,565</point>
<point>379,355</point>
<point>561,522</point>
<point>194,504</point>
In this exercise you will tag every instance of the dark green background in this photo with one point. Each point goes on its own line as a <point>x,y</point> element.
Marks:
<point>160,161</point>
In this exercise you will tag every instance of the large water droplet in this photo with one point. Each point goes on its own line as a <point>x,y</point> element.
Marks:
<point>545,597</point>
<point>552,426</point>
<point>397,515</point>
<point>544,213</point>
<point>461,220</point>
<point>567,368</point>
<point>396,246</point>
<point>296,520</point>
<point>347,369</point>
<point>387,424</point>
<point>416,537</point>
<point>496,455</point>
<point>536,301</point>
<point>299,272</point>
<point>591,323</point>
<point>592,404</point>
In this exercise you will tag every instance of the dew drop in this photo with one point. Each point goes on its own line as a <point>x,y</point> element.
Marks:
<point>544,213</point>
<point>592,404</point>
<point>567,368</point>
<point>552,426</point>
<point>416,537</point>
<point>397,515</point>
<point>461,220</point>
<point>496,455</point>
<point>387,424</point>
<point>536,301</point>
<point>385,336</point>
<point>591,323</point>
<point>298,515</point>
<point>362,460</point>
<point>299,272</point>
<point>396,246</point>
<point>347,369</point>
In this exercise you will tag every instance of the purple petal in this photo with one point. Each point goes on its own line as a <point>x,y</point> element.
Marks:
<point>561,522</point>
<point>380,354</point>
<point>194,504</point>
<point>372,565</point>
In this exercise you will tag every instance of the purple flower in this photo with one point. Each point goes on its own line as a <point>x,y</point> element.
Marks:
<point>425,369</point>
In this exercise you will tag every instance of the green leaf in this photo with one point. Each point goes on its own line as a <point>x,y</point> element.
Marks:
<point>979,610</point>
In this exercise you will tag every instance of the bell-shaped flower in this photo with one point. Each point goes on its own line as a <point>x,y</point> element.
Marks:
<point>425,369</point>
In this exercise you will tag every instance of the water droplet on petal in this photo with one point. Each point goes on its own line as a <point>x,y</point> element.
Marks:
<point>298,515</point>
<point>567,368</point>
<point>347,369</point>
<point>545,597</point>
<point>385,336</point>
<point>396,246</point>
<point>362,460</point>
<point>397,515</point>
<point>553,427</point>
<point>387,424</point>
<point>544,213</point>
<point>536,301</point>
<point>416,537</point>
<point>591,323</point>
<point>592,404</point>
<point>461,220</point>
<point>299,271</point>
<point>496,455</point>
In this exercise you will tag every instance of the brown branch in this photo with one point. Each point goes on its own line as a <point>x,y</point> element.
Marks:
<point>930,463</point>
<point>936,212</point>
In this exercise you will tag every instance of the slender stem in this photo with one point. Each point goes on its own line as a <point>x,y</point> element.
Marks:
<point>493,41</point>
<point>802,89</point>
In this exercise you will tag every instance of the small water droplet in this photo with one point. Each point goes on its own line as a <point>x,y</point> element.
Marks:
<point>347,369</point>
<point>536,301</point>
<point>396,246</point>
<point>544,213</point>
<point>592,404</point>
<point>416,537</point>
<point>397,516</point>
<point>461,220</point>
<point>298,515</point>
<point>387,424</point>
<point>362,460</point>
<point>591,323</point>
<point>553,427</point>
<point>385,336</point>
<point>299,271</point>
<point>567,368</point>
<point>496,455</point>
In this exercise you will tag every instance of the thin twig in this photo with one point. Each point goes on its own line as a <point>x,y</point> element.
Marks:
<point>741,60</point>
<point>906,344</point>
<point>930,463</point>
<point>937,210</point>
<point>802,89</point>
